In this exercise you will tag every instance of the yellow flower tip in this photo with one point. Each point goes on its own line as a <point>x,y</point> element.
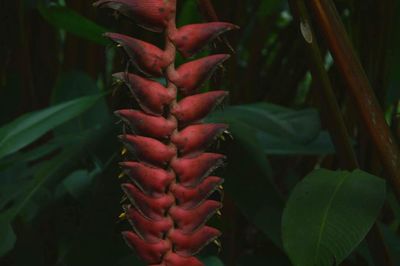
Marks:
<point>122,216</point>
<point>121,175</point>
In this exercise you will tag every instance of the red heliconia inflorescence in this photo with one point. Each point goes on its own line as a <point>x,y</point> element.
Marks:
<point>170,181</point>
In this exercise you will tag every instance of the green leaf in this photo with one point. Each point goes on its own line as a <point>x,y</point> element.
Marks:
<point>212,261</point>
<point>7,238</point>
<point>298,126</point>
<point>74,84</point>
<point>31,126</point>
<point>44,173</point>
<point>328,214</point>
<point>67,19</point>
<point>281,130</point>
<point>274,145</point>
<point>258,199</point>
<point>77,182</point>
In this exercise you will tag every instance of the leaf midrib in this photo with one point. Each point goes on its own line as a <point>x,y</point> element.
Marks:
<point>326,213</point>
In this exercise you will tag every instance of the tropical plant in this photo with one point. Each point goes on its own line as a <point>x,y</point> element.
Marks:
<point>169,170</point>
<point>312,169</point>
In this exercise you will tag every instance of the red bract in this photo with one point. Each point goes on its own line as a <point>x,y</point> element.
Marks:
<point>190,76</point>
<point>168,182</point>
<point>192,219</point>
<point>151,14</point>
<point>189,244</point>
<point>147,57</point>
<point>147,125</point>
<point>197,138</point>
<point>190,198</point>
<point>196,107</point>
<point>151,96</point>
<point>191,39</point>
<point>192,170</point>
<point>149,230</point>
<point>151,180</point>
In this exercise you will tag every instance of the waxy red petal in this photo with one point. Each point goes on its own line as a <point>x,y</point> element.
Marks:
<point>151,96</point>
<point>190,220</point>
<point>152,208</point>
<point>147,57</point>
<point>147,125</point>
<point>150,14</point>
<point>191,171</point>
<point>189,198</point>
<point>148,149</point>
<point>197,138</point>
<point>190,39</point>
<point>193,108</point>
<point>190,244</point>
<point>190,76</point>
<point>151,253</point>
<point>151,180</point>
<point>151,231</point>
<point>173,259</point>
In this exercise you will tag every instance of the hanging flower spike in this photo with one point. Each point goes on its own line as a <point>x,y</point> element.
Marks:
<point>169,171</point>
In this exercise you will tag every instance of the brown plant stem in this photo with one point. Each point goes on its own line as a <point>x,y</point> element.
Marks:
<point>368,108</point>
<point>336,125</point>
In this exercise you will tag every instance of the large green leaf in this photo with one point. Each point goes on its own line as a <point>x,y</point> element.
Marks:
<point>280,130</point>
<point>67,19</point>
<point>248,180</point>
<point>212,261</point>
<point>74,84</point>
<point>43,174</point>
<point>8,237</point>
<point>260,129</point>
<point>328,214</point>
<point>31,126</point>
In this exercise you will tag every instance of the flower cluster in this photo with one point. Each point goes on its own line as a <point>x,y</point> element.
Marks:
<point>170,180</point>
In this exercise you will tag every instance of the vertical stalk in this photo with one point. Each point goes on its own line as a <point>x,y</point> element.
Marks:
<point>336,125</point>
<point>371,115</point>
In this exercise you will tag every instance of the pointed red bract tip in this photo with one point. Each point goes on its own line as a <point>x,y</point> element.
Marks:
<point>151,180</point>
<point>190,76</point>
<point>152,208</point>
<point>148,149</point>
<point>173,259</point>
<point>197,138</point>
<point>190,244</point>
<point>147,125</point>
<point>150,95</point>
<point>190,220</point>
<point>147,57</point>
<point>149,230</point>
<point>190,39</point>
<point>194,108</point>
<point>189,198</point>
<point>192,170</point>
<point>150,14</point>
<point>151,253</point>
